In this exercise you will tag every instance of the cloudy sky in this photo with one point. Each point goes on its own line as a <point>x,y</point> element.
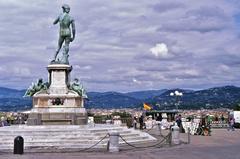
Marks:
<point>125,45</point>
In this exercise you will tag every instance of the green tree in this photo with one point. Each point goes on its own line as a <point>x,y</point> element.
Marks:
<point>237,107</point>
<point>121,114</point>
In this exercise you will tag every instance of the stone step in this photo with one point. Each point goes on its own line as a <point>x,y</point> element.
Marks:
<point>26,147</point>
<point>64,139</point>
<point>55,142</point>
<point>82,143</point>
<point>62,127</point>
<point>73,133</point>
<point>65,147</point>
<point>49,148</point>
<point>61,137</point>
<point>59,131</point>
<point>56,133</point>
<point>2,132</point>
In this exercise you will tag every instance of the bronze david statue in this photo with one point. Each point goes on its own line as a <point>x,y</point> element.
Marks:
<point>66,34</point>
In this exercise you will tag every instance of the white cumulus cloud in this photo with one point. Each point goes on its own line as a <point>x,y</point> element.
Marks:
<point>136,81</point>
<point>87,67</point>
<point>160,50</point>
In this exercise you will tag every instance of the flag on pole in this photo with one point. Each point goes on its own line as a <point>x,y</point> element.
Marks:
<point>146,106</point>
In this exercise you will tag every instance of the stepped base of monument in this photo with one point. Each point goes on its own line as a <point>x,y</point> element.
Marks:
<point>57,116</point>
<point>67,138</point>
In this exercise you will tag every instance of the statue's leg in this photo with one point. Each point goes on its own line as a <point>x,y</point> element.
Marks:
<point>67,42</point>
<point>66,50</point>
<point>60,42</point>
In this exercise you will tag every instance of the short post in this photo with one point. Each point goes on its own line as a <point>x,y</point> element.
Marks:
<point>170,137</point>
<point>160,128</point>
<point>113,145</point>
<point>108,122</point>
<point>175,135</point>
<point>189,139</point>
<point>18,145</point>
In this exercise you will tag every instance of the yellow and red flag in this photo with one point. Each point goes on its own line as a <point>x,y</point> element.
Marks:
<point>146,106</point>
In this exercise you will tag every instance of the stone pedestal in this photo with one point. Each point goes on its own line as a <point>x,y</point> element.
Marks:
<point>58,105</point>
<point>59,78</point>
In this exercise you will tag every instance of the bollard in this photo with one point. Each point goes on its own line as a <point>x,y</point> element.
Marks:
<point>18,145</point>
<point>189,139</point>
<point>113,144</point>
<point>170,138</point>
<point>175,135</point>
<point>108,122</point>
<point>160,128</point>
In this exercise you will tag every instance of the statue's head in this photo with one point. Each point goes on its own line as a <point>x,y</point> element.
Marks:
<point>40,80</point>
<point>66,8</point>
<point>76,80</point>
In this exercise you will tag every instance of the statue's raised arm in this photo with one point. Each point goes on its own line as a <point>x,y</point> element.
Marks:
<point>66,34</point>
<point>73,30</point>
<point>56,21</point>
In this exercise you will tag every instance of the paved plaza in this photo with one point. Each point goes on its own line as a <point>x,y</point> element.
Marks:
<point>222,144</point>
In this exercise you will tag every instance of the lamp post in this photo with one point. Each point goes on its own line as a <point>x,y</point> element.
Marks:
<point>177,94</point>
<point>158,105</point>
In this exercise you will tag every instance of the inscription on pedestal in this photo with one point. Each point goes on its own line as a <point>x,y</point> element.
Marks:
<point>58,79</point>
<point>58,82</point>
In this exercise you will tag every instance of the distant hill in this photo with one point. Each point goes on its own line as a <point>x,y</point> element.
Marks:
<point>10,93</point>
<point>12,100</point>
<point>218,97</point>
<point>145,94</point>
<point>15,104</point>
<point>111,100</point>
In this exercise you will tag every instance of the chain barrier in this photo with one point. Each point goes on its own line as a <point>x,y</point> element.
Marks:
<point>85,149</point>
<point>188,138</point>
<point>158,125</point>
<point>167,138</point>
<point>153,126</point>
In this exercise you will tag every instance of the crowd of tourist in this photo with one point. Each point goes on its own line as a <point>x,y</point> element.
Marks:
<point>8,119</point>
<point>197,126</point>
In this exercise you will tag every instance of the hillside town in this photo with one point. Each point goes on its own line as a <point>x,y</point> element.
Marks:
<point>102,115</point>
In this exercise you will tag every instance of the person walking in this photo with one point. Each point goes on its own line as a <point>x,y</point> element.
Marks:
<point>3,122</point>
<point>135,122</point>
<point>141,122</point>
<point>231,124</point>
<point>179,123</point>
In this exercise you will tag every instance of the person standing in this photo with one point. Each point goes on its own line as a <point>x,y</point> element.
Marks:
<point>179,123</point>
<point>231,123</point>
<point>208,126</point>
<point>3,122</point>
<point>141,122</point>
<point>135,122</point>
